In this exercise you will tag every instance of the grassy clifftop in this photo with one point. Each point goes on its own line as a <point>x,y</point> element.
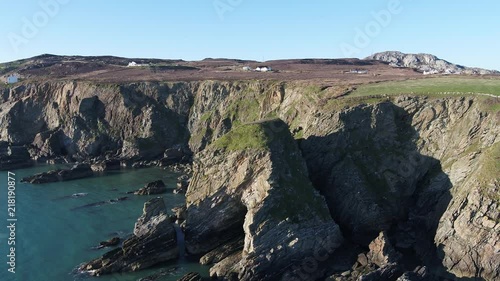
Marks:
<point>440,85</point>
<point>258,135</point>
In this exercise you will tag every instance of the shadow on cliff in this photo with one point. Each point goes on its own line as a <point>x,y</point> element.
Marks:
<point>374,179</point>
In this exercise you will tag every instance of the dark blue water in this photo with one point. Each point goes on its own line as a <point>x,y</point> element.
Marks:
<point>54,235</point>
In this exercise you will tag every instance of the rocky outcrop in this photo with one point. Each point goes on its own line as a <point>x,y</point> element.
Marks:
<point>109,243</point>
<point>419,168</point>
<point>84,120</point>
<point>78,171</point>
<point>401,163</point>
<point>382,252</point>
<point>182,184</point>
<point>365,163</point>
<point>152,188</point>
<point>426,63</point>
<point>13,157</point>
<point>253,183</point>
<point>179,213</point>
<point>222,252</point>
<point>390,271</point>
<point>468,234</point>
<point>48,144</point>
<point>154,241</point>
<point>106,165</point>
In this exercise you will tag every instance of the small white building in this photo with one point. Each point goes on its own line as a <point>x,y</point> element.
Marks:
<point>132,64</point>
<point>431,72</point>
<point>11,79</point>
<point>358,71</point>
<point>263,68</point>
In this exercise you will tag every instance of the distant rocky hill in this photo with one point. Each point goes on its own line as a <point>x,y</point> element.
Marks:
<point>427,63</point>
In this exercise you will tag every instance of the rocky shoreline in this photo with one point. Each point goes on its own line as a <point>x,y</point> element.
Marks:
<point>288,181</point>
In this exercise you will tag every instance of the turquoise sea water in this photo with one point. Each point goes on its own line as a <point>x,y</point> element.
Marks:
<point>54,235</point>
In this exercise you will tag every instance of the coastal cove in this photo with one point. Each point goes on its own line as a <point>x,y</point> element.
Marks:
<point>57,231</point>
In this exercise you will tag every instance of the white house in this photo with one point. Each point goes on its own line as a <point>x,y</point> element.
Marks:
<point>132,64</point>
<point>11,79</point>
<point>431,72</point>
<point>358,71</point>
<point>263,68</point>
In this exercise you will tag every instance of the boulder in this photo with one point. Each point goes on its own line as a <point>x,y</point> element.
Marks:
<point>154,241</point>
<point>152,188</point>
<point>252,184</point>
<point>109,243</point>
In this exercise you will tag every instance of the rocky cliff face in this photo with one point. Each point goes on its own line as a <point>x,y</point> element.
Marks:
<point>414,166</point>
<point>426,63</point>
<point>86,120</point>
<point>252,182</point>
<point>423,169</point>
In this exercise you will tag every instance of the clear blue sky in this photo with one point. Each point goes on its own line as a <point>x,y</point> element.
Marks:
<point>464,32</point>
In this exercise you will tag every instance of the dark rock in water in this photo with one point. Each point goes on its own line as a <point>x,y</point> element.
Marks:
<point>192,276</point>
<point>118,199</point>
<point>75,195</point>
<point>78,171</point>
<point>14,157</point>
<point>110,243</point>
<point>154,242</point>
<point>107,165</point>
<point>100,203</point>
<point>152,188</point>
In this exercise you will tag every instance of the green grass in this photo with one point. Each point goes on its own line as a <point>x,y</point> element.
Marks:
<point>207,115</point>
<point>462,85</point>
<point>251,136</point>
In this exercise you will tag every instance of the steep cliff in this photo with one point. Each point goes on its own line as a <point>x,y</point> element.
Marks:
<point>423,169</point>
<point>85,120</point>
<point>252,182</point>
